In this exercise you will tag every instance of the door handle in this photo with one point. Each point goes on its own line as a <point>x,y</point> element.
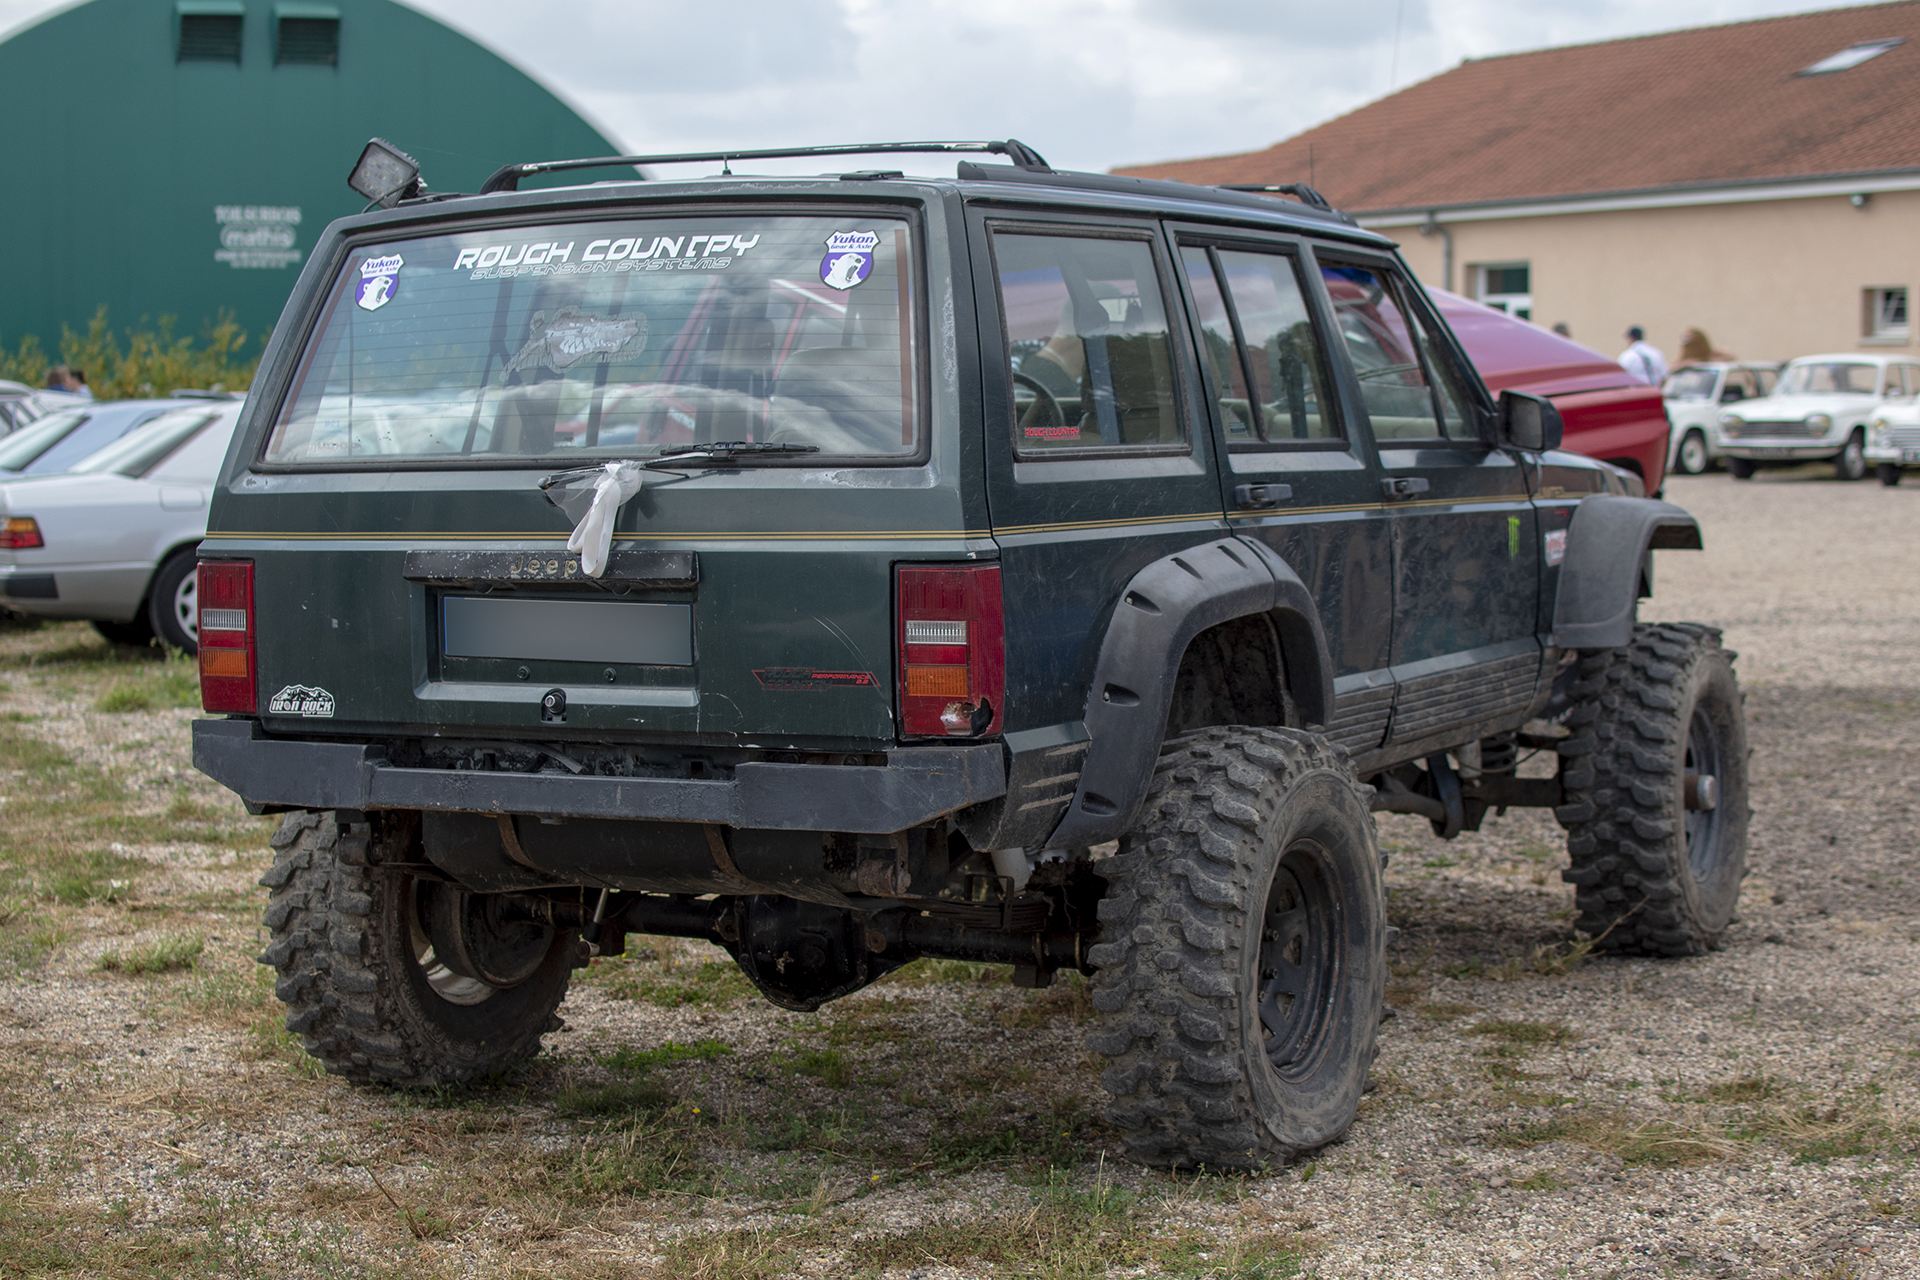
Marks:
<point>1261,495</point>
<point>1403,486</point>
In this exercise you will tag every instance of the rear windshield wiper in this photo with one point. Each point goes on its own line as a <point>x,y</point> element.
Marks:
<point>697,454</point>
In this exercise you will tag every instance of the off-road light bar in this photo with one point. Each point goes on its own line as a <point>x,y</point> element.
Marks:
<point>1023,157</point>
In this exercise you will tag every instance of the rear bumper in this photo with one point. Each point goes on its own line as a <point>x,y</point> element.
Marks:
<point>916,785</point>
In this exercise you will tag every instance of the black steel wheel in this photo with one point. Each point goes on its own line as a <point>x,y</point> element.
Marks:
<point>1656,801</point>
<point>389,978</point>
<point>1242,953</point>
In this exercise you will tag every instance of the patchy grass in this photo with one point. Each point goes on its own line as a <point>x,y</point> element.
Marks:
<point>1521,1034</point>
<point>157,955</point>
<point>1656,1144</point>
<point>829,1066</point>
<point>716,984</point>
<point>637,1060</point>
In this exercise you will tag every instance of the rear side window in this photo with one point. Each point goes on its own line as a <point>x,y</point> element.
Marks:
<point>1259,333</point>
<point>1409,393</point>
<point>101,428</point>
<point>613,339</point>
<point>1087,344</point>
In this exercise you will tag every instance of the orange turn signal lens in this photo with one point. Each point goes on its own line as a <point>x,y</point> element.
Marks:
<point>936,682</point>
<point>224,662</point>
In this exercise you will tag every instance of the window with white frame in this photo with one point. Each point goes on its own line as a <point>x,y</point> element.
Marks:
<point>1886,314</point>
<point>1507,286</point>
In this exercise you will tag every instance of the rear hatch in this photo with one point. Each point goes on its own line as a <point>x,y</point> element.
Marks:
<point>412,577</point>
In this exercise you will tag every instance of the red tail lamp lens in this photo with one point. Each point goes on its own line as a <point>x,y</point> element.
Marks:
<point>226,636</point>
<point>21,533</point>
<point>952,651</point>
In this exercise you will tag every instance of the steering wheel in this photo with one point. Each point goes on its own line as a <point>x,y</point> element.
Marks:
<point>1045,410</point>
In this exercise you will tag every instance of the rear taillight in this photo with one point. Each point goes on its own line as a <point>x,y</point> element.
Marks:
<point>20,533</point>
<point>226,636</point>
<point>952,651</point>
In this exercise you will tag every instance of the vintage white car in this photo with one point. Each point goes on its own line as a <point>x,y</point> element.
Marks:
<point>114,540</point>
<point>1696,395</point>
<point>1893,440</point>
<point>1819,409</point>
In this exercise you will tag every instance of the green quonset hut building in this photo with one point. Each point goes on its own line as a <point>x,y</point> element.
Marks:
<point>179,157</point>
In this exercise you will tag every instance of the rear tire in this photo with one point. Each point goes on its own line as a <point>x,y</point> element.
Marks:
<point>1651,874</point>
<point>1740,468</point>
<point>1851,462</point>
<point>1691,458</point>
<point>362,985</point>
<point>1242,953</point>
<point>173,601</point>
<point>1889,473</point>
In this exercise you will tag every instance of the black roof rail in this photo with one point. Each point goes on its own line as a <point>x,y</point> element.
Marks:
<point>1298,190</point>
<point>1023,157</point>
<point>1245,197</point>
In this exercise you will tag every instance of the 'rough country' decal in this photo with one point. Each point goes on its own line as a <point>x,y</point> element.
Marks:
<point>378,279</point>
<point>629,253</point>
<point>300,700</point>
<point>849,258</point>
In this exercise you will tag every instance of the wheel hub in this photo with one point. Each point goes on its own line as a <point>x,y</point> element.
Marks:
<point>1296,961</point>
<point>1701,794</point>
<point>470,946</point>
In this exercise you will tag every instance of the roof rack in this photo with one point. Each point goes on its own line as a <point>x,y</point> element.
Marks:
<point>1023,157</point>
<point>1298,190</point>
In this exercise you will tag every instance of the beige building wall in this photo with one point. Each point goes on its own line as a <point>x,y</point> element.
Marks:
<point>1766,280</point>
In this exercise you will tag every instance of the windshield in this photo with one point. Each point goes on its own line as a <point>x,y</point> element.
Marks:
<point>1692,384</point>
<point>1829,377</point>
<point>135,452</point>
<point>613,339</point>
<point>63,439</point>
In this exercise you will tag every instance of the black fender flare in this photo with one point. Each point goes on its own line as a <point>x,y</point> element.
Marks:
<point>1607,546</point>
<point>1164,606</point>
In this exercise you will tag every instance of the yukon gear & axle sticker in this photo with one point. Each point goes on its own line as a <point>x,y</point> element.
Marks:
<point>378,279</point>
<point>302,700</point>
<point>849,258</point>
<point>808,678</point>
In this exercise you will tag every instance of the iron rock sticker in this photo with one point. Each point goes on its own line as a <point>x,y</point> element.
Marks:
<point>302,700</point>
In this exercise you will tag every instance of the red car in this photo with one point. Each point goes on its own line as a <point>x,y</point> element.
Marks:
<point>1608,415</point>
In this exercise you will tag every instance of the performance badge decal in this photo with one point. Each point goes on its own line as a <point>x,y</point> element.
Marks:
<point>378,279</point>
<point>808,678</point>
<point>300,700</point>
<point>1556,546</point>
<point>849,258</point>
<point>565,337</point>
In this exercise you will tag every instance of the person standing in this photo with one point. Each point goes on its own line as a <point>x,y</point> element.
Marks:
<point>1642,359</point>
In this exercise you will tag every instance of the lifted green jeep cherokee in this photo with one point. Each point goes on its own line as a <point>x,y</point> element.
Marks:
<point>969,525</point>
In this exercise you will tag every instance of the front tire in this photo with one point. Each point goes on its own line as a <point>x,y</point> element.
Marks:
<point>1889,473</point>
<point>1691,459</point>
<point>1740,468</point>
<point>1242,953</point>
<point>1651,873</point>
<point>362,983</point>
<point>1851,462</point>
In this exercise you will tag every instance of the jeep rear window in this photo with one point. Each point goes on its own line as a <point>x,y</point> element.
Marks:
<point>612,339</point>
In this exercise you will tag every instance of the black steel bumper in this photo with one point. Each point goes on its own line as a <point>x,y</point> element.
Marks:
<point>916,785</point>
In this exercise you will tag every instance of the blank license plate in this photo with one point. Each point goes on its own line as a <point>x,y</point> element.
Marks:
<point>568,630</point>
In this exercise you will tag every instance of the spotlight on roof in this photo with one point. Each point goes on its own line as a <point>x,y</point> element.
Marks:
<point>386,175</point>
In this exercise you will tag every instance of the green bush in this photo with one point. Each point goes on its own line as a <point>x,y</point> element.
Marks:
<point>151,362</point>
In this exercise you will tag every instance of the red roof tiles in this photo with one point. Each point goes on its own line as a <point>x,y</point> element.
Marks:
<point>1708,105</point>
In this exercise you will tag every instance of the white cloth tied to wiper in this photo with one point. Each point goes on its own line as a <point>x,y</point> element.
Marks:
<point>592,538</point>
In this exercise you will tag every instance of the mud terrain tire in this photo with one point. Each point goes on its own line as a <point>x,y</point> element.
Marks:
<point>1651,875</point>
<point>1242,953</point>
<point>360,993</point>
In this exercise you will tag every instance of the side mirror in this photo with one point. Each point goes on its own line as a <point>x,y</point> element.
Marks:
<point>1529,422</point>
<point>1732,394</point>
<point>385,174</point>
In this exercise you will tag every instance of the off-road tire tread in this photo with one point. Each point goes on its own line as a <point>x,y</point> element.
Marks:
<point>1618,797</point>
<point>1172,922</point>
<point>319,912</point>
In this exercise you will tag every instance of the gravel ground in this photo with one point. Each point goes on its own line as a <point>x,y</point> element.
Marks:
<point>1749,1113</point>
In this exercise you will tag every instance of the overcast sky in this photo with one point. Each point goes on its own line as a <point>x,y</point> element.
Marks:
<point>1089,83</point>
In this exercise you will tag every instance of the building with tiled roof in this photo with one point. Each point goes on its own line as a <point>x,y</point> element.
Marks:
<point>1758,180</point>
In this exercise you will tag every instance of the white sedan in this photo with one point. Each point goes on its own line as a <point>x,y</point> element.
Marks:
<point>115,539</point>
